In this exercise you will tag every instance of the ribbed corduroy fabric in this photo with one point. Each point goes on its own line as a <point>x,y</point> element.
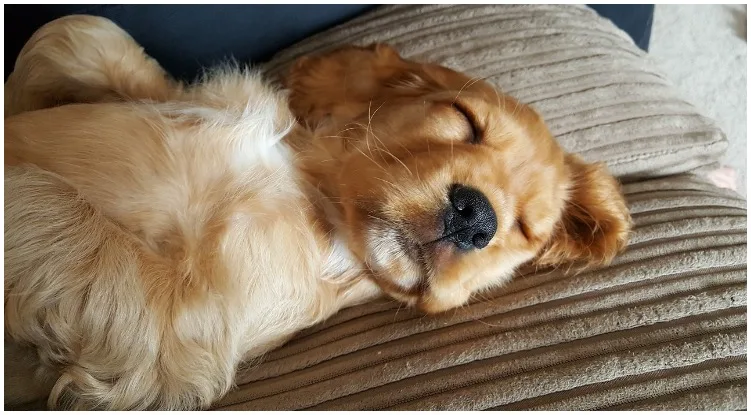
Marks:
<point>598,92</point>
<point>663,327</point>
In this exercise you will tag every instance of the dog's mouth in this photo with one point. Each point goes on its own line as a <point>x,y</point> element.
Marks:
<point>414,250</point>
<point>403,263</point>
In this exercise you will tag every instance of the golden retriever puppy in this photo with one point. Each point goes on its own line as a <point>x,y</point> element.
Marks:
<point>157,235</point>
<point>446,185</point>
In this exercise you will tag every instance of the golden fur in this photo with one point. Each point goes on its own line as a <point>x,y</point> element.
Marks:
<point>157,235</point>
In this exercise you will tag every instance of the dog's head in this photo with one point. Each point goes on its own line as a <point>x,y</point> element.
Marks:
<point>446,184</point>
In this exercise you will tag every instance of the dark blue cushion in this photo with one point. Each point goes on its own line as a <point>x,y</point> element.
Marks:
<point>186,38</point>
<point>634,19</point>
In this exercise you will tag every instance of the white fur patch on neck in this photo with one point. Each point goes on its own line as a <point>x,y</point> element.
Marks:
<point>340,265</point>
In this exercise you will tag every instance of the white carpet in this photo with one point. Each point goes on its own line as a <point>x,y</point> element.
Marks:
<point>702,50</point>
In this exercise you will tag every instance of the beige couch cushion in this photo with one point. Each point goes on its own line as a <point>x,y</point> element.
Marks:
<point>596,89</point>
<point>664,327</point>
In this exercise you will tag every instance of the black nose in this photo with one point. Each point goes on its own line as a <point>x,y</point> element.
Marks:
<point>470,221</point>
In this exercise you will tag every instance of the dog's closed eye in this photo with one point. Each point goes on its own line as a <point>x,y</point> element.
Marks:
<point>476,133</point>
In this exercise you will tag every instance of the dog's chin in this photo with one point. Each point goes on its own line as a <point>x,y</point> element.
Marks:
<point>396,262</point>
<point>401,265</point>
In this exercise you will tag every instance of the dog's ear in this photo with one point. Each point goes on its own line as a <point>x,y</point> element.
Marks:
<point>595,223</point>
<point>346,82</point>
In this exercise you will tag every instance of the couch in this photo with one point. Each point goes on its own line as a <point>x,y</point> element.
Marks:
<point>661,328</point>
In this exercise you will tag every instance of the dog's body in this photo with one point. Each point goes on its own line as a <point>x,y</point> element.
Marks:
<point>213,236</point>
<point>158,235</point>
<point>177,237</point>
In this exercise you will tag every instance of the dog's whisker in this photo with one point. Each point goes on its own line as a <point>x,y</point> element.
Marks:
<point>368,133</point>
<point>382,147</point>
<point>467,84</point>
<point>369,158</point>
<point>387,182</point>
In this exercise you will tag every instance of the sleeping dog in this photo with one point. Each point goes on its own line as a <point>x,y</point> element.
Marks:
<point>159,234</point>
